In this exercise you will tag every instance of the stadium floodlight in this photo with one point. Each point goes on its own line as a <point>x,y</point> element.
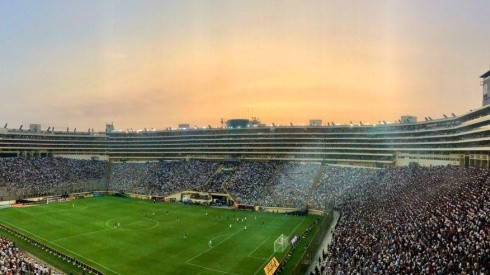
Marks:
<point>453,114</point>
<point>281,244</point>
<point>5,125</point>
<point>444,115</point>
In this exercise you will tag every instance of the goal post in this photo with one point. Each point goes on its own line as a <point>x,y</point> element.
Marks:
<point>281,244</point>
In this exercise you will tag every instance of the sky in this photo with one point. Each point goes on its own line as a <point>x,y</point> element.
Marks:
<point>154,64</point>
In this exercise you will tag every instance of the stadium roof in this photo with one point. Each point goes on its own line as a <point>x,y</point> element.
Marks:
<point>485,75</point>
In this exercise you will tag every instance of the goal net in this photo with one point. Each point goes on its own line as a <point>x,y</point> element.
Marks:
<point>54,199</point>
<point>281,243</point>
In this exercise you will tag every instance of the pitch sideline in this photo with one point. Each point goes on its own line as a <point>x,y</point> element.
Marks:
<point>61,247</point>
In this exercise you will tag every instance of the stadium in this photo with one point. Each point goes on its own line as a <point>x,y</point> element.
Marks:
<point>248,198</point>
<point>251,137</point>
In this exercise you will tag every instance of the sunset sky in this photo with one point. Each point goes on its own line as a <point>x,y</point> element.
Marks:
<point>161,63</point>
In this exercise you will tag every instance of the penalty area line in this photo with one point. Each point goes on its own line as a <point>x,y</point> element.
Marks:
<point>250,255</point>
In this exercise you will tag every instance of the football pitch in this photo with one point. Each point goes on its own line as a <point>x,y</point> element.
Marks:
<point>131,236</point>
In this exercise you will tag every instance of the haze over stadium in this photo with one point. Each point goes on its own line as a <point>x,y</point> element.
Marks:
<point>160,63</point>
<point>333,138</point>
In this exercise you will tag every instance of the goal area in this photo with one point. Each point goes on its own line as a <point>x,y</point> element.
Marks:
<point>281,244</point>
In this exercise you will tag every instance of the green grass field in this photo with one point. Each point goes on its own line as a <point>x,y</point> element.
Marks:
<point>156,238</point>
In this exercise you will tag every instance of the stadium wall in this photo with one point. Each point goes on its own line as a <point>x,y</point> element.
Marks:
<point>83,157</point>
<point>406,159</point>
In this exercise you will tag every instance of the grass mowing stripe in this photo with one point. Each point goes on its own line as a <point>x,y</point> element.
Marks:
<point>41,238</point>
<point>183,235</point>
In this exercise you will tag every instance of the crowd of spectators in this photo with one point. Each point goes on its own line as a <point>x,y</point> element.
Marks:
<point>413,221</point>
<point>334,183</point>
<point>40,176</point>
<point>163,178</point>
<point>216,183</point>
<point>177,176</point>
<point>292,184</point>
<point>249,181</point>
<point>13,261</point>
<point>400,220</point>
<point>133,177</point>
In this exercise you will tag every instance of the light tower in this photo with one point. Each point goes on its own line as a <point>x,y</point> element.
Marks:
<point>486,88</point>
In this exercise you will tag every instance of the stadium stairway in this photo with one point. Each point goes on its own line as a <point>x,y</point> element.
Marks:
<point>225,185</point>
<point>216,173</point>
<point>316,183</point>
<point>269,185</point>
<point>108,175</point>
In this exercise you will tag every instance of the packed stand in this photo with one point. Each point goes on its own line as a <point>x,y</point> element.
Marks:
<point>176,176</point>
<point>249,181</point>
<point>215,183</point>
<point>13,261</point>
<point>43,175</point>
<point>133,177</point>
<point>414,221</point>
<point>291,185</point>
<point>335,182</point>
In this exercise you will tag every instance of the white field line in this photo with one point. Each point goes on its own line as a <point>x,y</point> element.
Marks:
<point>22,210</point>
<point>231,235</point>
<point>210,269</point>
<point>250,255</point>
<point>83,234</point>
<point>273,252</point>
<point>260,258</point>
<point>41,238</point>
<point>122,229</point>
